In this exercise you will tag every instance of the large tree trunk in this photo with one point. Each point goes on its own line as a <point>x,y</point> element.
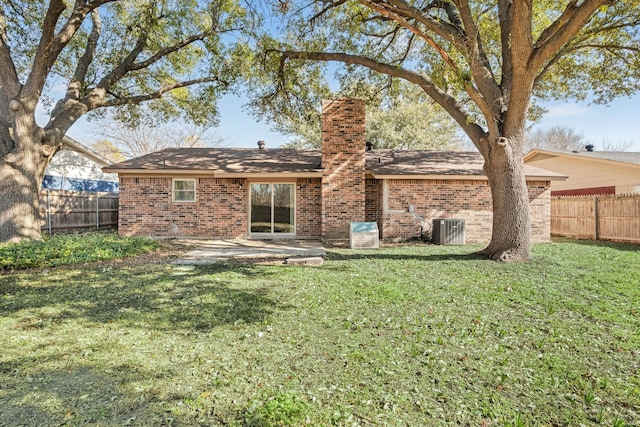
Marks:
<point>511,234</point>
<point>21,175</point>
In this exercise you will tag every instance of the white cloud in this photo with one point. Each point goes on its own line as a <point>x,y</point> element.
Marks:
<point>564,110</point>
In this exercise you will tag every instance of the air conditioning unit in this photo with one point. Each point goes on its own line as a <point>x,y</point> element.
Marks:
<point>448,231</point>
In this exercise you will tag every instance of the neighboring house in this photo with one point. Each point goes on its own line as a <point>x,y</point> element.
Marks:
<point>590,172</point>
<point>78,168</point>
<point>313,193</point>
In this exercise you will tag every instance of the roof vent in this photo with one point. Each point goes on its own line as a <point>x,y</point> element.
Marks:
<point>369,145</point>
<point>589,147</point>
<point>261,145</point>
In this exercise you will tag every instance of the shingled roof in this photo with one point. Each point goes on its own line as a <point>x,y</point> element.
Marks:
<point>630,158</point>
<point>246,162</point>
<point>224,161</point>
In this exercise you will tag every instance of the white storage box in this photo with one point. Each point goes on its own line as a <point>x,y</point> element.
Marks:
<point>364,235</point>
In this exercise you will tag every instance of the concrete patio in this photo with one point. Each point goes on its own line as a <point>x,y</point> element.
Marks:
<point>201,251</point>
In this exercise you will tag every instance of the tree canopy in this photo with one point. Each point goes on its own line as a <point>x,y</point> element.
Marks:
<point>81,57</point>
<point>485,62</point>
<point>468,56</point>
<point>400,118</point>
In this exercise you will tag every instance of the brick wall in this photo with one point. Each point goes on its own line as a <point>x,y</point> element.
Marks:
<point>343,162</point>
<point>309,207</point>
<point>466,199</point>
<point>540,210</point>
<point>146,208</point>
<point>373,200</point>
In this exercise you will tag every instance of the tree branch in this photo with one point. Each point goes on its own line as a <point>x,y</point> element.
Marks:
<point>50,46</point>
<point>400,19</point>
<point>558,23</point>
<point>409,12</point>
<point>488,93</point>
<point>563,29</point>
<point>170,49</point>
<point>125,66</point>
<point>74,88</point>
<point>478,62</point>
<point>9,82</point>
<point>521,39</point>
<point>42,58</point>
<point>129,64</point>
<point>505,16</point>
<point>331,5</point>
<point>445,100</point>
<point>159,93</point>
<point>90,51</point>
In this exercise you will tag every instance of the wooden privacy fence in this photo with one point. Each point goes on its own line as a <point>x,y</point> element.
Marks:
<point>615,218</point>
<point>77,210</point>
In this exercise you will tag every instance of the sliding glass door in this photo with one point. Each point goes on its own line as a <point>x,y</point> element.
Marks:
<point>272,208</point>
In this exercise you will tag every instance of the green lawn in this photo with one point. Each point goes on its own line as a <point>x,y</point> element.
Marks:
<point>407,335</point>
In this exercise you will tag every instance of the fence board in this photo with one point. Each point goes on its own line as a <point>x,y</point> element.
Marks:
<point>75,210</point>
<point>615,218</point>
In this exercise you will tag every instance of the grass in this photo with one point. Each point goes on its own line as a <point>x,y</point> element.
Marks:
<point>407,335</point>
<point>64,249</point>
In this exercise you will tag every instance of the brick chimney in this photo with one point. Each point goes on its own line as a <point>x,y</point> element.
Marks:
<point>343,161</point>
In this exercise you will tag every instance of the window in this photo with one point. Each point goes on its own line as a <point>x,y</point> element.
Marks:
<point>272,208</point>
<point>184,190</point>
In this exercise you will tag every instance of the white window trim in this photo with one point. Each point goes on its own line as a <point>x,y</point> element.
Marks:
<point>173,190</point>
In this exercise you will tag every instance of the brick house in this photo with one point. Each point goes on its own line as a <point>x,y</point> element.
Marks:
<point>266,193</point>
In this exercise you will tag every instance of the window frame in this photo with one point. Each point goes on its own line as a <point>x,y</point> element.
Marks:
<point>272,234</point>
<point>174,190</point>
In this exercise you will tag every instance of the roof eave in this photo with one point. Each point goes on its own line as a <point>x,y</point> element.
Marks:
<point>578,156</point>
<point>427,176</point>
<point>546,177</point>
<point>212,173</point>
<point>73,145</point>
<point>468,177</point>
<point>127,171</point>
<point>306,174</point>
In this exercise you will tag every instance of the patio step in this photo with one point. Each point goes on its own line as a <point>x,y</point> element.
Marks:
<point>305,260</point>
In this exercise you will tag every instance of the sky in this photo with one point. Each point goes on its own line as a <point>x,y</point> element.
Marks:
<point>617,122</point>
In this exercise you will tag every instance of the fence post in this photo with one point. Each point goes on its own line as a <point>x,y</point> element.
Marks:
<point>48,212</point>
<point>596,214</point>
<point>97,211</point>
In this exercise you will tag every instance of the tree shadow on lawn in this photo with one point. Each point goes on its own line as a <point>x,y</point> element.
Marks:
<point>82,394</point>
<point>599,244</point>
<point>159,298</point>
<point>342,256</point>
<point>65,311</point>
